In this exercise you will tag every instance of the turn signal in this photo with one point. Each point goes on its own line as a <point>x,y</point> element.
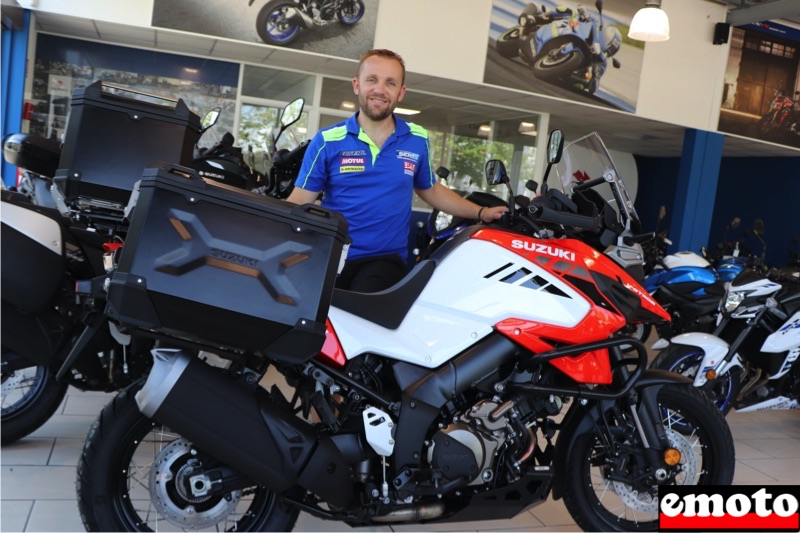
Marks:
<point>672,456</point>
<point>711,374</point>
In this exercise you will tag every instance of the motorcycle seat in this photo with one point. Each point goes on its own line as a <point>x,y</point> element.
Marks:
<point>387,308</point>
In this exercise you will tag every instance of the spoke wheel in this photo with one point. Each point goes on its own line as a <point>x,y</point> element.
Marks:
<point>30,396</point>
<point>132,476</point>
<point>612,488</point>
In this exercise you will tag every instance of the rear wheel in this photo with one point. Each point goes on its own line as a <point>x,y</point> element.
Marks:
<point>610,487</point>
<point>685,360</point>
<point>273,22</point>
<point>507,44</point>
<point>30,396</point>
<point>133,475</point>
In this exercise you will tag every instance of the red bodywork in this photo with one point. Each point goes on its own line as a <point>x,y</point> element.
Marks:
<point>332,352</point>
<point>570,257</point>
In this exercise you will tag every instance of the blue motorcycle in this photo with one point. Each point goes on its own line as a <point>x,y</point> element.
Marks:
<point>562,46</point>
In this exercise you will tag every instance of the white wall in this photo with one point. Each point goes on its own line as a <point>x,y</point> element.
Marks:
<point>682,78</point>
<point>132,12</point>
<point>445,38</point>
<point>681,83</point>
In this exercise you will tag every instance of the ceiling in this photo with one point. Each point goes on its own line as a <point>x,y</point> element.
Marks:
<point>620,130</point>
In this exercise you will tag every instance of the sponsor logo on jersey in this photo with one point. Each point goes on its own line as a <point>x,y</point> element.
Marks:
<point>352,153</point>
<point>346,169</point>
<point>543,249</point>
<point>409,167</point>
<point>728,508</point>
<point>344,161</point>
<point>410,156</point>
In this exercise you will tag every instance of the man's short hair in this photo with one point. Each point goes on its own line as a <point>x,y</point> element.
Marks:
<point>387,54</point>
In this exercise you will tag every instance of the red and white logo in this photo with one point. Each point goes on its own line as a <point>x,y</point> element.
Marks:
<point>729,508</point>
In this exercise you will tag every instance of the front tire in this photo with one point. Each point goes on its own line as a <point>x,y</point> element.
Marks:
<point>272,24</point>
<point>350,12</point>
<point>30,397</point>
<point>125,451</point>
<point>694,428</point>
<point>685,360</point>
<point>549,68</point>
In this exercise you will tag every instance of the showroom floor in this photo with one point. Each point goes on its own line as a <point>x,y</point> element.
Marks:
<point>38,473</point>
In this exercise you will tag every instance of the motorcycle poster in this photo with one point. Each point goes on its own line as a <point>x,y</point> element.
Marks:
<point>761,95</point>
<point>571,50</point>
<point>345,28</point>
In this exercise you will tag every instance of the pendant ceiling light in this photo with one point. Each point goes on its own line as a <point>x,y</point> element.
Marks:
<point>650,23</point>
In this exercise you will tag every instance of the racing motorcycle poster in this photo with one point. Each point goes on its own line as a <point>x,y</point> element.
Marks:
<point>574,50</point>
<point>344,28</point>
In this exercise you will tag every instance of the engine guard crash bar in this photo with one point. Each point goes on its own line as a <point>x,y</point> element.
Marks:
<point>617,362</point>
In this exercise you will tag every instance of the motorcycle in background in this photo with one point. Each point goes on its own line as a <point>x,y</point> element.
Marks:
<point>510,326</point>
<point>563,47</point>
<point>280,21</point>
<point>53,331</point>
<point>781,116</point>
<point>750,362</point>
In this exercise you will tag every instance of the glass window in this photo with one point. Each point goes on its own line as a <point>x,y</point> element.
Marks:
<point>258,126</point>
<point>261,82</point>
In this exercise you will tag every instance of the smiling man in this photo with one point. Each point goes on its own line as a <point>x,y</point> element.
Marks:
<point>368,169</point>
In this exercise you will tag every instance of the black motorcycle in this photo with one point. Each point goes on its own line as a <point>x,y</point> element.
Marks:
<point>280,21</point>
<point>53,331</point>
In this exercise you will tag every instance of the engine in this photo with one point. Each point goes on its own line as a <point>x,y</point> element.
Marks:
<point>468,446</point>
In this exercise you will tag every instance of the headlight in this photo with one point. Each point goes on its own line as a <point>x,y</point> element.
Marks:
<point>442,221</point>
<point>733,299</point>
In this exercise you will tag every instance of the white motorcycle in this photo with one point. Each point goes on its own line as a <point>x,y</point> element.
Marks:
<point>750,362</point>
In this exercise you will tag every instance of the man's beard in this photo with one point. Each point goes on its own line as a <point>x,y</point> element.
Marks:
<point>377,116</point>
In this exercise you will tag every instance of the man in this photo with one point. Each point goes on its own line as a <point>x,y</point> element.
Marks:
<point>368,168</point>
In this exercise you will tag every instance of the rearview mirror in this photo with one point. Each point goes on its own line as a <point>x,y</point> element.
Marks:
<point>555,146</point>
<point>210,118</point>
<point>735,223</point>
<point>496,172</point>
<point>292,111</point>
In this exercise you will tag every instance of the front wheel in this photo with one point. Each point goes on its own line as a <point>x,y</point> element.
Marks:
<point>276,23</point>
<point>350,12</point>
<point>554,65</point>
<point>30,397</point>
<point>685,360</point>
<point>133,475</point>
<point>610,487</point>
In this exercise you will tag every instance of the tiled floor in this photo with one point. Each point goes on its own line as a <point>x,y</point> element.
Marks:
<point>38,473</point>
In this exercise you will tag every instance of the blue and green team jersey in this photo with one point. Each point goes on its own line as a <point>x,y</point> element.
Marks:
<point>373,188</point>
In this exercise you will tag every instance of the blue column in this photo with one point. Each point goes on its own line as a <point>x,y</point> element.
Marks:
<point>14,53</point>
<point>697,188</point>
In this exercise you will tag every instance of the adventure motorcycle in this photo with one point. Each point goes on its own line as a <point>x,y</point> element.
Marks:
<point>751,361</point>
<point>279,21</point>
<point>436,400</point>
<point>53,331</point>
<point>561,46</point>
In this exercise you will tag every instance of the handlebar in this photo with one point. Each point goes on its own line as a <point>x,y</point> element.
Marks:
<point>540,213</point>
<point>587,184</point>
<point>289,158</point>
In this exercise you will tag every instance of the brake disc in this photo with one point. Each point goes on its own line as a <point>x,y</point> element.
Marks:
<point>645,501</point>
<point>172,497</point>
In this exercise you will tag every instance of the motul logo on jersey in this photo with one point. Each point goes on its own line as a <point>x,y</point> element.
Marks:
<point>543,249</point>
<point>728,508</point>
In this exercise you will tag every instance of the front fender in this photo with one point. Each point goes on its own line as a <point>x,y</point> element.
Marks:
<point>714,351</point>
<point>580,419</point>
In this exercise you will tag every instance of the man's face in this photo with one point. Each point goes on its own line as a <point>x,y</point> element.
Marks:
<point>379,86</point>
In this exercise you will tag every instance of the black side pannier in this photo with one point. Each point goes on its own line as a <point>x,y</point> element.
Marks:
<point>221,267</point>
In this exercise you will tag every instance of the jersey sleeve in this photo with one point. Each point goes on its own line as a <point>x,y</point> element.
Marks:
<point>314,169</point>
<point>424,178</point>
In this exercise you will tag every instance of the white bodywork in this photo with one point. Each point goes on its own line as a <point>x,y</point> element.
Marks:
<point>714,350</point>
<point>36,226</point>
<point>685,259</point>
<point>473,288</point>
